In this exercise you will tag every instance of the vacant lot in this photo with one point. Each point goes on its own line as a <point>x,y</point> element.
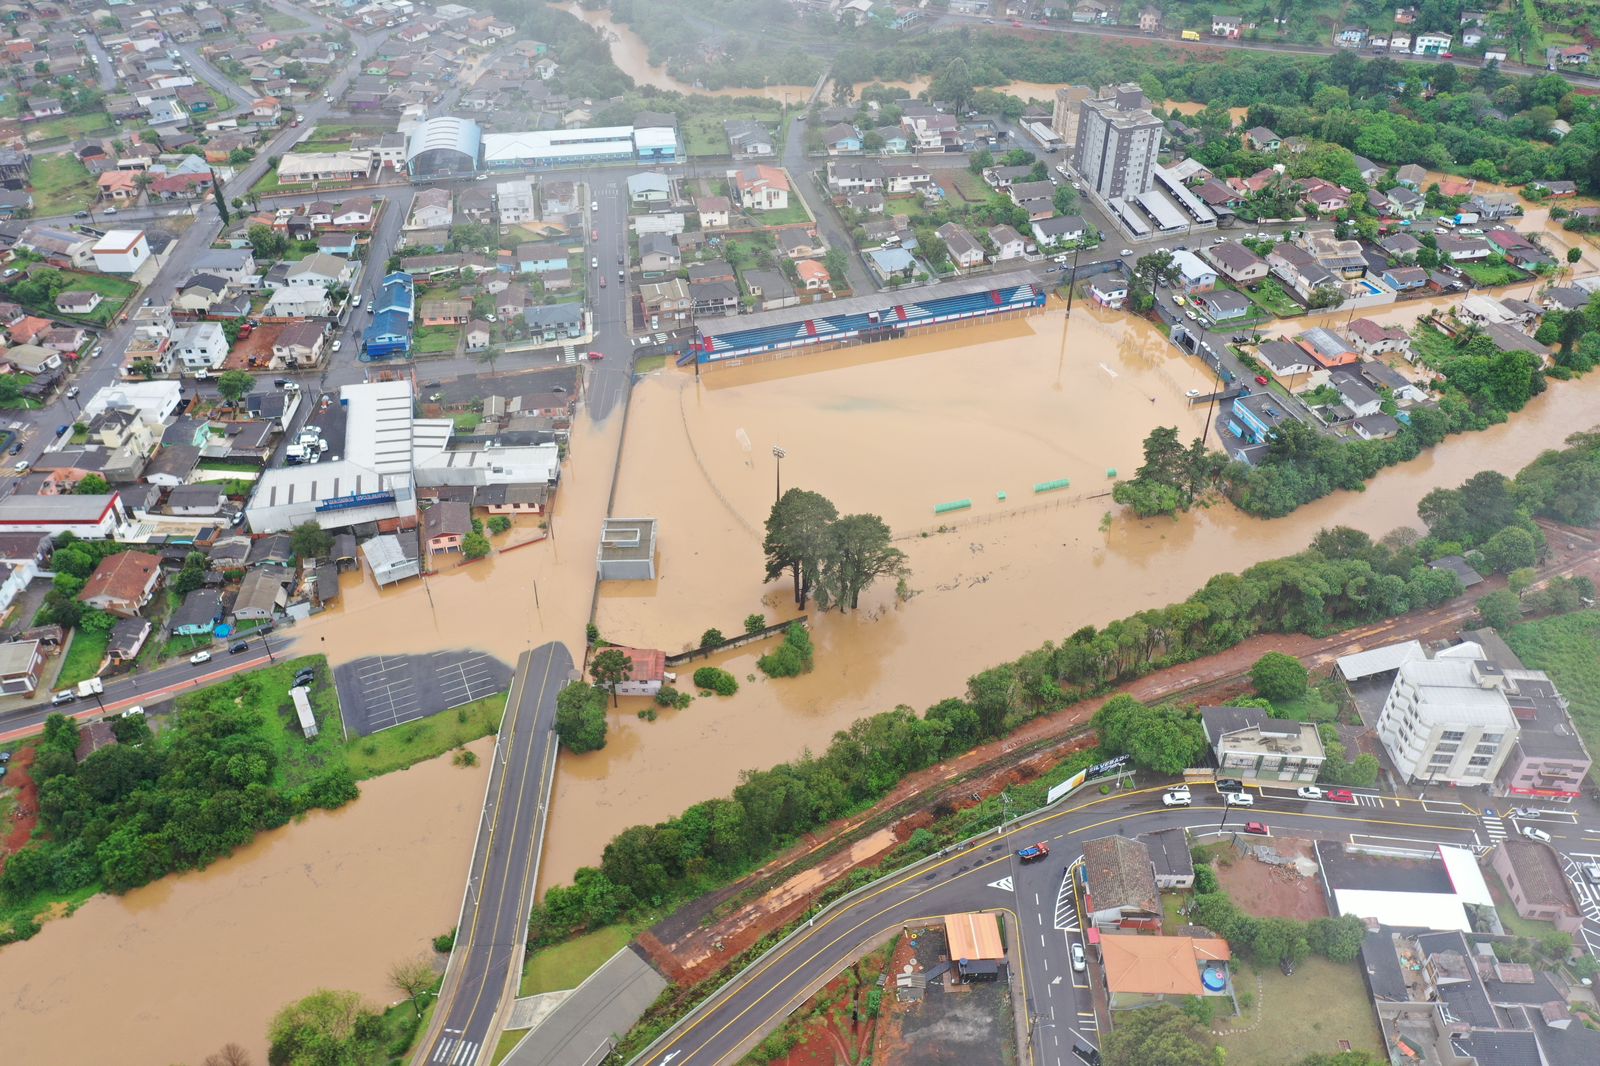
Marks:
<point>435,340</point>
<point>1568,649</point>
<point>61,185</point>
<point>970,1024</point>
<point>1326,1001</point>
<point>1272,891</point>
<point>566,965</point>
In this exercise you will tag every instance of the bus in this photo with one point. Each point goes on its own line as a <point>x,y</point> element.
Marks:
<point>1191,35</point>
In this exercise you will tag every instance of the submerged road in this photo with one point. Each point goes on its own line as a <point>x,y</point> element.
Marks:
<point>505,863</point>
<point>986,875</point>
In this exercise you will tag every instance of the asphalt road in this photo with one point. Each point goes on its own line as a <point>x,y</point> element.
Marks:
<point>505,860</point>
<point>152,686</point>
<point>987,875</point>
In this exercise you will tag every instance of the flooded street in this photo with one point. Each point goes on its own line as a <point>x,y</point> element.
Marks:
<point>171,972</point>
<point>894,429</point>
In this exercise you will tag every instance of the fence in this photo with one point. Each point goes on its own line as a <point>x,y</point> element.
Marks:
<point>1053,503</point>
<point>737,642</point>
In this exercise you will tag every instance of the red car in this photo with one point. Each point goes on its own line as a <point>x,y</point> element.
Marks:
<point>597,355</point>
<point>1341,795</point>
<point>602,281</point>
<point>1447,55</point>
<point>1255,827</point>
<point>594,234</point>
<point>1017,23</point>
<point>1260,380</point>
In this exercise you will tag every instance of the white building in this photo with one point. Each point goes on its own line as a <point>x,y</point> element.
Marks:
<point>1117,147</point>
<point>121,251</point>
<point>297,301</point>
<point>1447,720</point>
<point>154,400</point>
<point>516,202</point>
<point>200,345</point>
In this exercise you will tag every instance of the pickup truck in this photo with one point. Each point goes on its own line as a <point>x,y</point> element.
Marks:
<point>1033,852</point>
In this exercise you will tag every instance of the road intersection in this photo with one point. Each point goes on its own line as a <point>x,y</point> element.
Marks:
<point>1045,897</point>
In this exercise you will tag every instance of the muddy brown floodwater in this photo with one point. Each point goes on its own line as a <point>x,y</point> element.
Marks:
<point>895,429</point>
<point>171,972</point>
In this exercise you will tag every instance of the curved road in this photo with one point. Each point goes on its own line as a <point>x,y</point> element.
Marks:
<point>986,875</point>
<point>493,928</point>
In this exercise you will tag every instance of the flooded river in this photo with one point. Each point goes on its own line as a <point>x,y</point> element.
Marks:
<point>171,972</point>
<point>895,429</point>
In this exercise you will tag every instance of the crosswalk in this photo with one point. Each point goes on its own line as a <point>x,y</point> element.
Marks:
<point>453,1051</point>
<point>1365,799</point>
<point>1087,1022</point>
<point>1066,918</point>
<point>1494,828</point>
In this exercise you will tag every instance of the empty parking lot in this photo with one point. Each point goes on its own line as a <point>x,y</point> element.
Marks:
<point>382,691</point>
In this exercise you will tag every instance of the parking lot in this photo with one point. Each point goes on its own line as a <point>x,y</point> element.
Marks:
<point>383,691</point>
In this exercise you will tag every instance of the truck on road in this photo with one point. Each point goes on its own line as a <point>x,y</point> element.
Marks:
<point>1034,852</point>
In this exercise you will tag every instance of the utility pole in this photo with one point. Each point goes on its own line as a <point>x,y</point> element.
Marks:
<point>779,454</point>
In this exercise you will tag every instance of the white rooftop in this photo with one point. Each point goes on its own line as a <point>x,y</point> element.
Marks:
<point>378,420</point>
<point>1449,690</point>
<point>1379,660</point>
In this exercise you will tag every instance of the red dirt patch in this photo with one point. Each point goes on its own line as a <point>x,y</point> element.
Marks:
<point>837,1026</point>
<point>25,815</point>
<point>1274,891</point>
<point>257,346</point>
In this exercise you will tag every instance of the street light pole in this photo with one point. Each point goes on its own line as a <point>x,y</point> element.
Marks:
<point>779,454</point>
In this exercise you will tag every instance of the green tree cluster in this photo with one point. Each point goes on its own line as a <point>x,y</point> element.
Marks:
<point>715,679</point>
<point>1172,475</point>
<point>1165,738</point>
<point>1269,941</point>
<point>791,658</point>
<point>581,717</point>
<point>1279,677</point>
<point>131,813</point>
<point>832,557</point>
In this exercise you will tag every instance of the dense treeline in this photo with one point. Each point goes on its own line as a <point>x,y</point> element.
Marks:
<point>1481,121</point>
<point>136,810</point>
<point>675,31</point>
<point>1345,578</point>
<point>585,57</point>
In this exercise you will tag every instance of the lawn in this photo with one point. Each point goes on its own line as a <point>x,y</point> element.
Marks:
<point>1514,923</point>
<point>565,965</point>
<point>1567,647</point>
<point>1271,298</point>
<point>61,185</point>
<point>904,206</point>
<point>1328,999</point>
<point>68,127</point>
<point>703,134</point>
<point>1308,708</point>
<point>1492,271</point>
<point>229,467</point>
<point>267,691</point>
<point>83,658</point>
<point>467,421</point>
<point>435,340</point>
<point>508,1040</point>
<point>649,363</point>
<point>795,212</point>
<point>397,748</point>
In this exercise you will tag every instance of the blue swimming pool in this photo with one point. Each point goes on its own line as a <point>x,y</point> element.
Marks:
<point>1372,289</point>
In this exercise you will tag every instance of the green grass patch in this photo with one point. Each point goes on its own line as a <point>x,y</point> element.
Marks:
<point>648,363</point>
<point>1514,923</point>
<point>795,212</point>
<point>267,692</point>
<point>278,20</point>
<point>565,965</point>
<point>1308,708</point>
<point>1272,298</point>
<point>508,1040</point>
<point>1329,1000</point>
<point>435,340</point>
<point>1567,647</point>
<point>60,185</point>
<point>703,134</point>
<point>399,747</point>
<point>83,659</point>
<point>68,127</point>
<point>905,206</point>
<point>1171,902</point>
<point>1492,271</point>
<point>467,422</point>
<point>230,467</point>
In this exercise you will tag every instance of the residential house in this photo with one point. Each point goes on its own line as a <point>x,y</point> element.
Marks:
<point>21,662</point>
<point>321,270</point>
<point>1059,230</point>
<point>770,289</point>
<point>1370,338</point>
<point>649,188</point>
<point>1411,176</point>
<point>657,253</point>
<point>1226,27</point>
<point>1404,202</point>
<point>1325,196</point>
<point>1236,262</point>
<point>300,302</point>
<point>666,299</point>
<point>555,322</point>
<point>1262,139</point>
<point>445,525</point>
<point>1463,249</point>
<point>713,211</point>
<point>477,335</point>
<point>200,345</point>
<point>77,301</point>
<point>813,276</point>
<point>298,345</point>
<point>261,595</point>
<point>1290,364</point>
<point>1195,274</point>
<point>123,583</point>
<point>761,188</point>
<point>541,257</point>
<point>747,139</point>
<point>431,209</point>
<point>1250,744</point>
<point>1008,243</point>
<point>868,203</point>
<point>1222,305</point>
<point>841,139</point>
<point>797,243</point>
<point>846,178</point>
<point>1296,267</point>
<point>714,297</point>
<point>1109,290</point>
<point>1429,43</point>
<point>445,311</point>
<point>1119,884</point>
<point>1577,55</point>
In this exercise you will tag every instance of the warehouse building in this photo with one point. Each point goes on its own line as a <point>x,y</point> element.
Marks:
<point>445,147</point>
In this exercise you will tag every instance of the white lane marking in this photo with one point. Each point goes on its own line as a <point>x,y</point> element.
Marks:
<point>1004,884</point>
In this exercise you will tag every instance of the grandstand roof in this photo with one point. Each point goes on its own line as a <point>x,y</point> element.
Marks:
<point>445,133</point>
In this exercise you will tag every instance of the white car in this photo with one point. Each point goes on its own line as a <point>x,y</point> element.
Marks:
<point>1592,872</point>
<point>1079,963</point>
<point>1126,251</point>
<point>200,657</point>
<point>594,205</point>
<point>1308,792</point>
<point>357,301</point>
<point>338,344</point>
<point>594,262</point>
<point>1192,393</point>
<point>135,711</point>
<point>1176,799</point>
<point>1536,834</point>
<point>1239,799</point>
<point>291,386</point>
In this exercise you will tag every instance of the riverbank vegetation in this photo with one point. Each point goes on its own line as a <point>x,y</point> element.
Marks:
<point>1567,647</point>
<point>1343,579</point>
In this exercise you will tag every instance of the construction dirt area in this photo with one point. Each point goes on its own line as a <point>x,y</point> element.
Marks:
<point>945,1023</point>
<point>1275,890</point>
<point>840,1023</point>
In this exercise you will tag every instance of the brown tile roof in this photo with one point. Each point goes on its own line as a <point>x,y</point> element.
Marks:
<point>1120,874</point>
<point>122,576</point>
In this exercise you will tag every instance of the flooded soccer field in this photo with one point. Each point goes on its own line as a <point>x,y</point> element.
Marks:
<point>894,429</point>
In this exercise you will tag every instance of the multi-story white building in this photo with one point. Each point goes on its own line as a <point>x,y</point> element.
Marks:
<point>200,345</point>
<point>516,202</point>
<point>1448,720</point>
<point>1118,140</point>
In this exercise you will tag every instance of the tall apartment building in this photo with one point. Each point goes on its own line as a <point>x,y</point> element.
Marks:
<point>1449,721</point>
<point>1117,143</point>
<point>1064,116</point>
